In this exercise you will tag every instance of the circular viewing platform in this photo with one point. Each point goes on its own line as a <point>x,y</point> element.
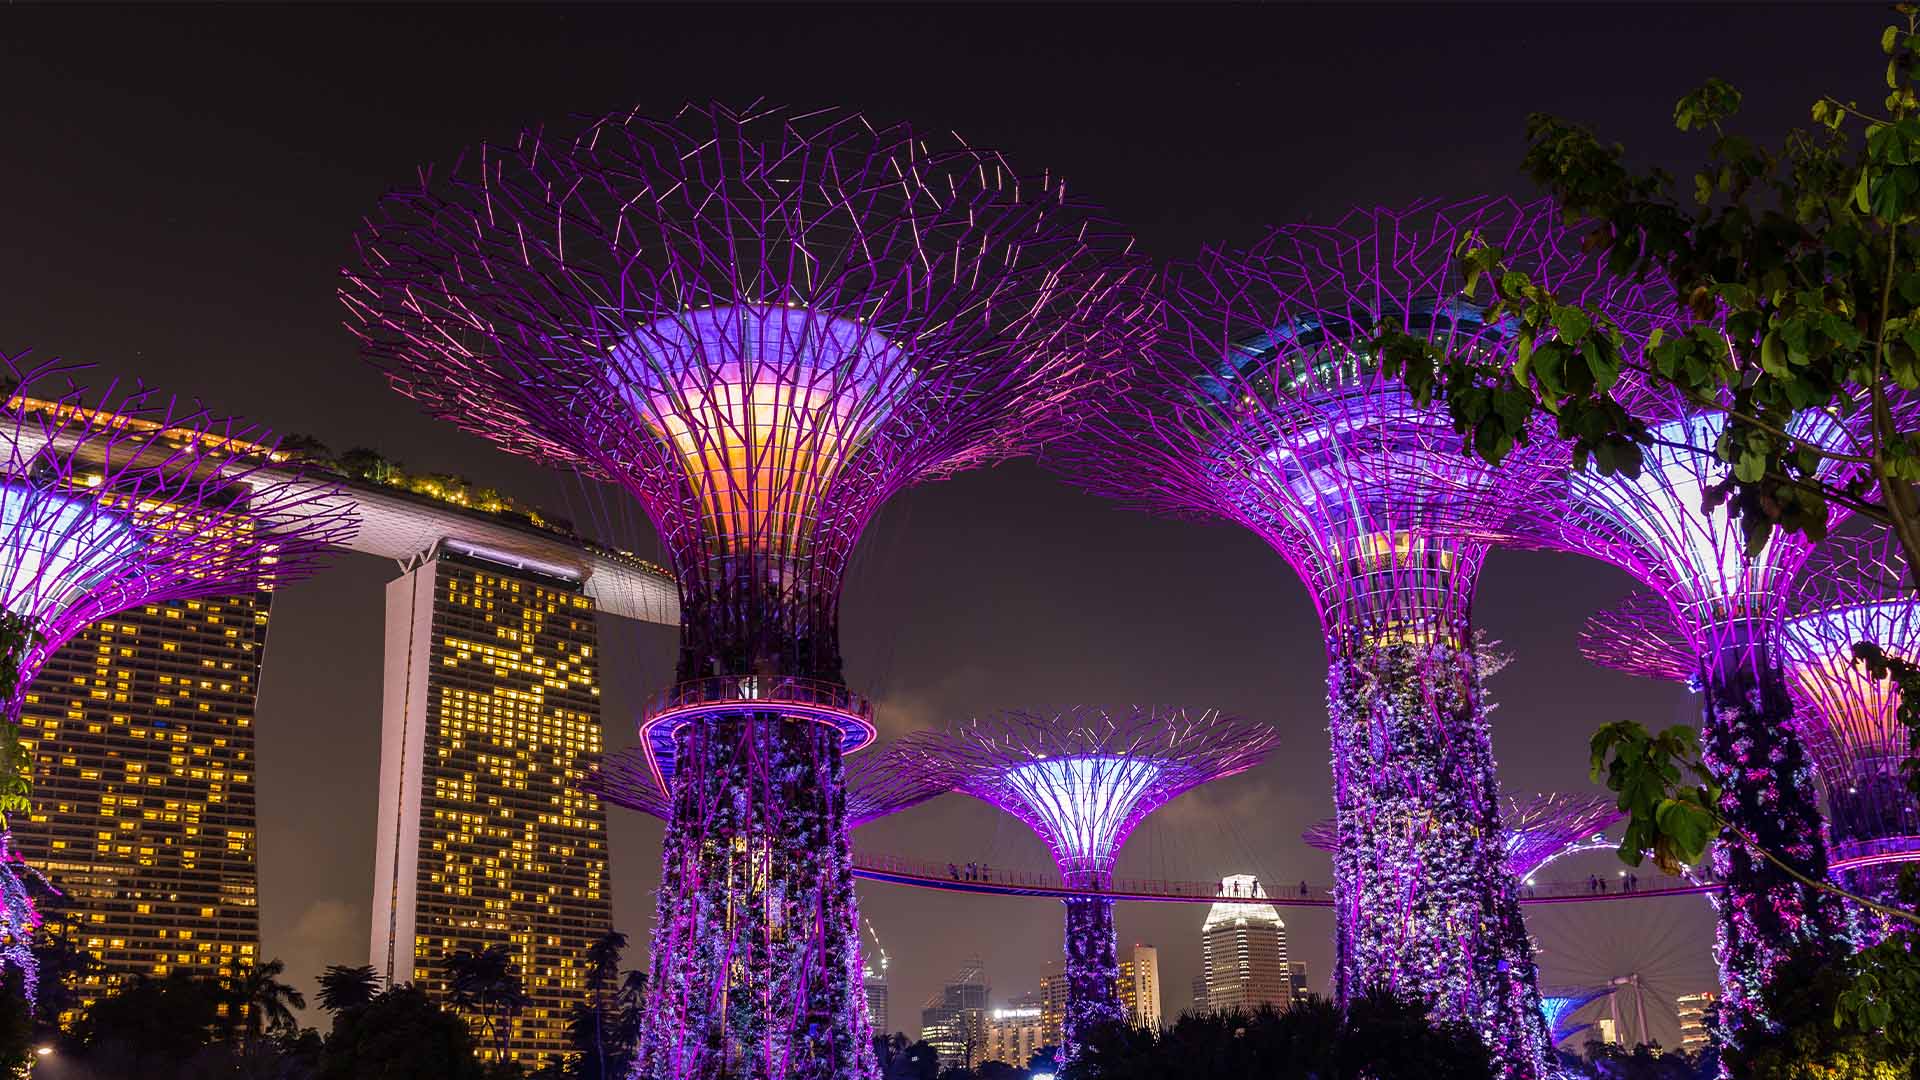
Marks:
<point>1857,854</point>
<point>730,696</point>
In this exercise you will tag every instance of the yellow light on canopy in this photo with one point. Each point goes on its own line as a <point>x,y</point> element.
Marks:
<point>763,406</point>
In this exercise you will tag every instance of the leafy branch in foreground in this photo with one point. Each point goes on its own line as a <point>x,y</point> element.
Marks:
<point>1791,277</point>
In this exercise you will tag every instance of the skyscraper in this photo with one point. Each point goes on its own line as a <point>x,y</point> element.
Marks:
<point>1244,949</point>
<point>1695,1032</point>
<point>1053,1001</point>
<point>1297,991</point>
<point>1014,1033</point>
<point>954,1021</point>
<point>141,734</point>
<point>1140,986</point>
<point>491,716</point>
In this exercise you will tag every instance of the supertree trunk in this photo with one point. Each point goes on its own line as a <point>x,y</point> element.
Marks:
<point>755,949</point>
<point>1093,969</point>
<point>1426,906</point>
<point>1751,749</point>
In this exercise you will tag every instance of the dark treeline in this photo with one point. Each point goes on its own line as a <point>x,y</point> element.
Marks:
<point>240,1022</point>
<point>1380,1038</point>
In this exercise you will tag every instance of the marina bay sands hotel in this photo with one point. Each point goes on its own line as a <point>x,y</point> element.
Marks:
<point>142,736</point>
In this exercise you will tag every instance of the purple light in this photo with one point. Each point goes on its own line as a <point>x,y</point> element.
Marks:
<point>1263,407</point>
<point>875,789</point>
<point>1722,628</point>
<point>1088,806</point>
<point>1536,830</point>
<point>113,500</point>
<point>1856,591</point>
<point>761,325</point>
<point>1083,781</point>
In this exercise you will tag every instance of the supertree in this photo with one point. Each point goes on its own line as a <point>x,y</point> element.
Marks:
<point>1856,591</point>
<point>1558,1006</point>
<point>1723,612</point>
<point>1083,780</point>
<point>115,498</point>
<point>876,787</point>
<point>1538,829</point>
<point>1264,405</point>
<point>761,324</point>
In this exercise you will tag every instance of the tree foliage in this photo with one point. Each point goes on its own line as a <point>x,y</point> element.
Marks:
<point>1380,1037</point>
<point>1793,278</point>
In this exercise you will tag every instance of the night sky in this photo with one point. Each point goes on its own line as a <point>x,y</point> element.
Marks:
<point>179,187</point>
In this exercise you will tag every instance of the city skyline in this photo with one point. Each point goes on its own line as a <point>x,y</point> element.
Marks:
<point>974,640</point>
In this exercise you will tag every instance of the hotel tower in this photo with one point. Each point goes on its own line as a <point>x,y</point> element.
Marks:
<point>490,718</point>
<point>141,734</point>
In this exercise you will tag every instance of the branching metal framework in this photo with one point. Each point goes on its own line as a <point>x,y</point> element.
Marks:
<point>1263,406</point>
<point>1538,829</point>
<point>1721,630</point>
<point>1083,780</point>
<point>1856,591</point>
<point>761,324</point>
<point>1638,636</point>
<point>876,787</point>
<point>126,497</point>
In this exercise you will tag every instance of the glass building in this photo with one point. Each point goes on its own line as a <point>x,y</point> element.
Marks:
<point>490,719</point>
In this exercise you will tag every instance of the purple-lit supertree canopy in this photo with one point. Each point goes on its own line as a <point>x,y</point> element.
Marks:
<point>1538,829</point>
<point>111,500</point>
<point>1857,591</point>
<point>1724,609</point>
<point>761,324</point>
<point>1082,781</point>
<point>1263,406</point>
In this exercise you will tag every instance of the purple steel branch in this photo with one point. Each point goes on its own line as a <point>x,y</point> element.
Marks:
<point>1856,591</point>
<point>1083,780</point>
<point>876,786</point>
<point>1538,828</point>
<point>126,497</point>
<point>1263,405</point>
<point>762,324</point>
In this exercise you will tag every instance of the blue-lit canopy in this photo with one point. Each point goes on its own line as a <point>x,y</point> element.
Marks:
<point>54,547</point>
<point>1089,805</point>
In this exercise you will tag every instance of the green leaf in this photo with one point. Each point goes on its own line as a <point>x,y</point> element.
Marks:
<point>1773,355</point>
<point>1571,322</point>
<point>1688,825</point>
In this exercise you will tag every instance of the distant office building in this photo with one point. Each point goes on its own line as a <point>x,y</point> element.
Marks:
<point>1014,1033</point>
<point>1606,1031</point>
<point>1694,1009</point>
<point>491,716</point>
<point>1200,1007</point>
<point>1140,987</point>
<point>1244,950</point>
<point>954,1021</point>
<point>876,987</point>
<point>1297,991</point>
<point>1053,1001</point>
<point>874,963</point>
<point>140,730</point>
